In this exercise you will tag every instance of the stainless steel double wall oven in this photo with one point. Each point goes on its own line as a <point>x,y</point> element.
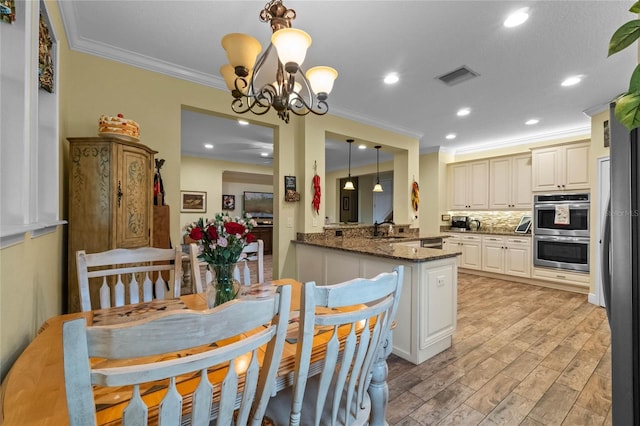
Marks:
<point>561,231</point>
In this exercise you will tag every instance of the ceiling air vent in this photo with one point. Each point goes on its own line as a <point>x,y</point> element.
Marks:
<point>457,76</point>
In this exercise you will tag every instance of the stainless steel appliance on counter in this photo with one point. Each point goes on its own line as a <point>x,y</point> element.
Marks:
<point>460,222</point>
<point>561,231</point>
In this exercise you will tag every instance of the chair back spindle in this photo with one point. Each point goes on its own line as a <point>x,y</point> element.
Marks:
<point>122,270</point>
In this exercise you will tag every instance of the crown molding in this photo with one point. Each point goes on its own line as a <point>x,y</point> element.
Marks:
<point>563,133</point>
<point>127,57</point>
<point>351,115</point>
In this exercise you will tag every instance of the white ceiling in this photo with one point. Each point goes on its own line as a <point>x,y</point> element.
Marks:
<point>520,68</point>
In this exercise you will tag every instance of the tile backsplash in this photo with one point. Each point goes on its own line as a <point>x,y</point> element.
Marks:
<point>494,220</point>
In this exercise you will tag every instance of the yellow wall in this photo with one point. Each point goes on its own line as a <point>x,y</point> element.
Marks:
<point>202,174</point>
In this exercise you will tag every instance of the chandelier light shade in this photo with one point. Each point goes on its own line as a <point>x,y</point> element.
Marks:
<point>377,187</point>
<point>348,185</point>
<point>242,51</point>
<point>276,78</point>
<point>321,80</point>
<point>291,45</point>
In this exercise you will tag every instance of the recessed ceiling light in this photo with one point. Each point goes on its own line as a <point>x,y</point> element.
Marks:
<point>243,122</point>
<point>362,146</point>
<point>391,78</point>
<point>571,81</point>
<point>208,146</point>
<point>517,18</point>
<point>532,121</point>
<point>264,154</point>
<point>463,112</point>
<point>451,136</point>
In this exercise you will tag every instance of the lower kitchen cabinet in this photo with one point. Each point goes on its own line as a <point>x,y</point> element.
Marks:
<point>427,312</point>
<point>471,247</point>
<point>505,255</point>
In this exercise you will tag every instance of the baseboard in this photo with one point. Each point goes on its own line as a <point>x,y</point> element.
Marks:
<point>533,281</point>
<point>593,299</point>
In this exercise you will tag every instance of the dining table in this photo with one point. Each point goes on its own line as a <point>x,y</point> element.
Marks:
<point>34,390</point>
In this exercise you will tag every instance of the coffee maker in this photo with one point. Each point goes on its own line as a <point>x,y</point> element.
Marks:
<point>460,222</point>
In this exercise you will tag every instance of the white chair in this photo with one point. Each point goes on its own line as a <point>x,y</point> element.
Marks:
<point>254,252</point>
<point>160,337</point>
<point>336,390</point>
<point>140,270</point>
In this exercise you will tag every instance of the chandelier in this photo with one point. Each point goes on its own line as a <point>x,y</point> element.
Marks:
<point>276,81</point>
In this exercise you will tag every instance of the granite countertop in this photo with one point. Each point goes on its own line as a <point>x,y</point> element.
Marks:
<point>384,248</point>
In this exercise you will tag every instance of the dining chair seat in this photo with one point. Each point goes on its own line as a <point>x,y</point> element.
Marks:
<point>166,362</point>
<point>353,319</point>
<point>128,276</point>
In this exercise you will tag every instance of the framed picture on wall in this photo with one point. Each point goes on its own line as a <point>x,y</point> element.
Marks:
<point>289,183</point>
<point>228,202</point>
<point>193,202</point>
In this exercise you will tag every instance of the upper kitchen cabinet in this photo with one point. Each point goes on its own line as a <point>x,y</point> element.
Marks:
<point>561,168</point>
<point>469,185</point>
<point>510,182</point>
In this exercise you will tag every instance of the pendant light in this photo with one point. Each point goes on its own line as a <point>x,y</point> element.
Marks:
<point>348,185</point>
<point>377,187</point>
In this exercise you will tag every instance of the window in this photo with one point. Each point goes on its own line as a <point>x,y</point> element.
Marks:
<point>29,152</point>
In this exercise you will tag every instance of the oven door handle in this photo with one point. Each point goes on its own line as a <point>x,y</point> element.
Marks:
<point>561,238</point>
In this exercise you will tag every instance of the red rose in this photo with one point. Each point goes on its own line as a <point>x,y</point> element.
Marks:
<point>250,238</point>
<point>196,234</point>
<point>213,233</point>
<point>234,228</point>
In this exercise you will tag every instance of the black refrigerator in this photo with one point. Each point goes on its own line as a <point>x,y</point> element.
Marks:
<point>621,272</point>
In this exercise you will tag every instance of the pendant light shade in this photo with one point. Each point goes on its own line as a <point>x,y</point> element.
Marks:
<point>377,187</point>
<point>349,183</point>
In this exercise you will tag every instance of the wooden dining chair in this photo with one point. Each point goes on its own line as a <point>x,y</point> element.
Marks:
<point>253,254</point>
<point>180,361</point>
<point>353,318</point>
<point>128,274</point>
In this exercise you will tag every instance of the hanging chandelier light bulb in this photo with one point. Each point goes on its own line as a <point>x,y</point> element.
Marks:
<point>377,187</point>
<point>348,185</point>
<point>275,80</point>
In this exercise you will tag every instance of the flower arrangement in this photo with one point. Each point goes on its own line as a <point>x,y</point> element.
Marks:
<point>222,238</point>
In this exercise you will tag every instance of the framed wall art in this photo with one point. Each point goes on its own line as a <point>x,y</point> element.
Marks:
<point>193,202</point>
<point>228,202</point>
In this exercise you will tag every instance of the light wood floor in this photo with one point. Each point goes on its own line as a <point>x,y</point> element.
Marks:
<point>522,355</point>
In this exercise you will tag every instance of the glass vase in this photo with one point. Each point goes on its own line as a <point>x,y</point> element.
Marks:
<point>223,288</point>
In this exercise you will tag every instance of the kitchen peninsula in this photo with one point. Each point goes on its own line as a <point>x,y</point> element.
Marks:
<point>426,317</point>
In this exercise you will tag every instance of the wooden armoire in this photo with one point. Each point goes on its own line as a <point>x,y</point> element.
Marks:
<point>110,200</point>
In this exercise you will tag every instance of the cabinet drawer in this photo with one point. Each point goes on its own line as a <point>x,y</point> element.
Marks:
<point>561,276</point>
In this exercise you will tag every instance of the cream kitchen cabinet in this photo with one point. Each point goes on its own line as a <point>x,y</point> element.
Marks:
<point>561,168</point>
<point>470,246</point>
<point>510,183</point>
<point>469,185</point>
<point>110,200</point>
<point>427,312</point>
<point>507,255</point>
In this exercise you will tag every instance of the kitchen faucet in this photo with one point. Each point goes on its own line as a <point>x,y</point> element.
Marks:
<point>376,224</point>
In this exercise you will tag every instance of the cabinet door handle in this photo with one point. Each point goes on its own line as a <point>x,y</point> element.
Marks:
<point>558,186</point>
<point>119,193</point>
